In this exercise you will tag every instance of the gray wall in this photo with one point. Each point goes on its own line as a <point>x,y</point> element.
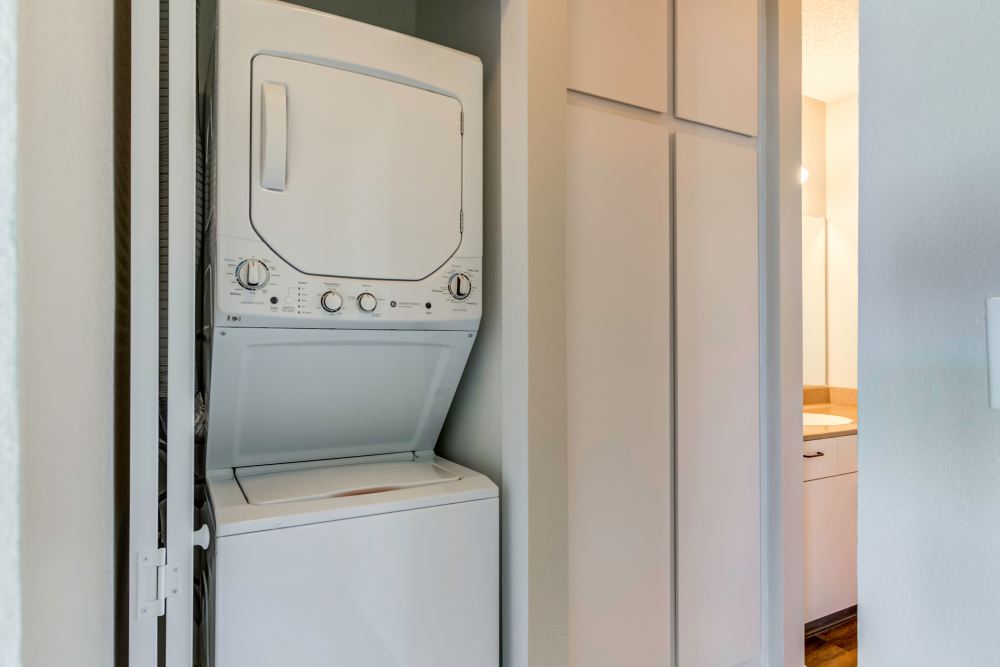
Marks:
<point>929,257</point>
<point>10,587</point>
<point>66,313</point>
<point>398,15</point>
<point>472,433</point>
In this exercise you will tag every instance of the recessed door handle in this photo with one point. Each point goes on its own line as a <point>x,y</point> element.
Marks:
<point>273,135</point>
<point>815,455</point>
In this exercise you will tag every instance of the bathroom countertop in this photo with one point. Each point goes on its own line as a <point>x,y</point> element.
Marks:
<point>831,401</point>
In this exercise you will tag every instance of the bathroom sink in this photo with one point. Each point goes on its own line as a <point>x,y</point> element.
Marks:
<point>812,419</point>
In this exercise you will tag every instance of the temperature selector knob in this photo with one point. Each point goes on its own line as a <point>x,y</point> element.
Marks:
<point>252,274</point>
<point>367,302</point>
<point>460,286</point>
<point>331,301</point>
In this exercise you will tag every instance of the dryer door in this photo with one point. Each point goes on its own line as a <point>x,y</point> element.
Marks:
<point>353,175</point>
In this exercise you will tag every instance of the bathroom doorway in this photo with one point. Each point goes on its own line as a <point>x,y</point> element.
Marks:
<point>829,178</point>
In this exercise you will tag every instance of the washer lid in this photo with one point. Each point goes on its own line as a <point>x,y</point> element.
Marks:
<point>353,175</point>
<point>266,487</point>
<point>290,395</point>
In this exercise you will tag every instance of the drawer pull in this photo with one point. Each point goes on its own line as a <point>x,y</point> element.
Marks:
<point>813,456</point>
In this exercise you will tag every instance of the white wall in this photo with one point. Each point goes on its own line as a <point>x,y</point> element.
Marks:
<point>10,585</point>
<point>66,316</point>
<point>533,331</point>
<point>842,240</point>
<point>814,156</point>
<point>930,243</point>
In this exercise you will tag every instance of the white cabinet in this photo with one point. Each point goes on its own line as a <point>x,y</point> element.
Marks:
<point>829,456</point>
<point>831,526</point>
<point>620,52</point>
<point>716,63</point>
<point>618,218</point>
<point>718,465</point>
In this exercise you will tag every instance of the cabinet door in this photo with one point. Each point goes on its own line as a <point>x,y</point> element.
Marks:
<point>831,543</point>
<point>618,50</point>
<point>618,356</point>
<point>716,63</point>
<point>717,398</point>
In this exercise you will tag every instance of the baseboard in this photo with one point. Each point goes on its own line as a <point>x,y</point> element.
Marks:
<point>831,620</point>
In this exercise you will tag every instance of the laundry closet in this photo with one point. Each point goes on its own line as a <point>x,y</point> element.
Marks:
<point>338,283</point>
<point>439,289</point>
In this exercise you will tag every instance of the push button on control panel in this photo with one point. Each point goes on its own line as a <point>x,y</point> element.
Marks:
<point>367,302</point>
<point>460,286</point>
<point>331,301</point>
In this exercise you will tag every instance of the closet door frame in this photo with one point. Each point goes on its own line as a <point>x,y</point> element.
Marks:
<point>780,157</point>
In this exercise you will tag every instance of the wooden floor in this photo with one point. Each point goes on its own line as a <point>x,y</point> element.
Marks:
<point>836,647</point>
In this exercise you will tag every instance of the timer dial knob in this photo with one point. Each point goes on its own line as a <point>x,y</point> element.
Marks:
<point>252,274</point>
<point>331,301</point>
<point>367,302</point>
<point>460,286</point>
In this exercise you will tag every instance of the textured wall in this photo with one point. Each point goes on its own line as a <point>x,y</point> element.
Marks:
<point>66,317</point>
<point>930,256</point>
<point>10,590</point>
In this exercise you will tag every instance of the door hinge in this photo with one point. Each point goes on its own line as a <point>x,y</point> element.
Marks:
<point>156,582</point>
<point>461,122</point>
<point>461,221</point>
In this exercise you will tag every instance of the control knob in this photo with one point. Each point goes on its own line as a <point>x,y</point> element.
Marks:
<point>331,301</point>
<point>252,274</point>
<point>460,286</point>
<point>367,302</point>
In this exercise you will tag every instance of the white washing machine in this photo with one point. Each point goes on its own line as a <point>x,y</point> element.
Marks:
<point>343,285</point>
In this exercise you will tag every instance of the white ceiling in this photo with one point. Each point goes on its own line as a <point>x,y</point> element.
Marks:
<point>829,49</point>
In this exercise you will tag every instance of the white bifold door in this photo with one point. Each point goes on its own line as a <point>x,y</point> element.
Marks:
<point>161,531</point>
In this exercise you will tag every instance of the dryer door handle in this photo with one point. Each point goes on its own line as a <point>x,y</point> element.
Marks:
<point>273,135</point>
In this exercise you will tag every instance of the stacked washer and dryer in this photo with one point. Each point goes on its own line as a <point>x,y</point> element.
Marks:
<point>342,298</point>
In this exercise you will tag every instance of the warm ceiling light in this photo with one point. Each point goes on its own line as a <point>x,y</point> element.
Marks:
<point>803,175</point>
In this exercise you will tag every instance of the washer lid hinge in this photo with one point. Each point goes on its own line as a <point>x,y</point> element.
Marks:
<point>156,582</point>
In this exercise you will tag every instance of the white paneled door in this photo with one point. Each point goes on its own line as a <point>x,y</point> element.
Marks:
<point>160,558</point>
<point>618,384</point>
<point>717,403</point>
<point>618,51</point>
<point>716,63</point>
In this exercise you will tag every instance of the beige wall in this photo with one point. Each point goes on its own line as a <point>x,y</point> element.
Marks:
<point>66,314</point>
<point>842,240</point>
<point>830,153</point>
<point>814,343</point>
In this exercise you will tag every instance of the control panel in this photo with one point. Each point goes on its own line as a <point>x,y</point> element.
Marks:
<point>257,288</point>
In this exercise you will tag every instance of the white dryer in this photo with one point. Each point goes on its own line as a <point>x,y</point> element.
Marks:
<point>343,285</point>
